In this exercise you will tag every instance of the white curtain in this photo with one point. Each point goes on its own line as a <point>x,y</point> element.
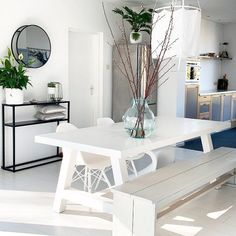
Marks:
<point>187,26</point>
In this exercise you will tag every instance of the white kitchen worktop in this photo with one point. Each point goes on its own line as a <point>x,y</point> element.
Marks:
<point>215,92</point>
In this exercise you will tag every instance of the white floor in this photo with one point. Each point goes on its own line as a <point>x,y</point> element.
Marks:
<point>26,209</point>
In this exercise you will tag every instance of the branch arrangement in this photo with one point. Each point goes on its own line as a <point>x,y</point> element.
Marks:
<point>147,76</point>
<point>154,71</point>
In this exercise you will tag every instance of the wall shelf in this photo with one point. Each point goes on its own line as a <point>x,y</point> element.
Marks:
<point>215,58</point>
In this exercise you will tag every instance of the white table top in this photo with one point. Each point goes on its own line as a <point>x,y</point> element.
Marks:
<point>111,140</point>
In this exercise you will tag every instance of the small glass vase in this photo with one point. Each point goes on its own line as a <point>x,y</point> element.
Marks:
<point>139,120</point>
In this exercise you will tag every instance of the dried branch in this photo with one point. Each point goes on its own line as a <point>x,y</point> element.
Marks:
<point>152,71</point>
<point>118,50</point>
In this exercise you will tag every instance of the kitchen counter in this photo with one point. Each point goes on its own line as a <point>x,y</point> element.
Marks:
<point>215,92</point>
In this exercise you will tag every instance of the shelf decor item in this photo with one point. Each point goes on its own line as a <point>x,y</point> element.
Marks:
<point>224,53</point>
<point>147,74</point>
<point>50,112</point>
<point>139,22</point>
<point>51,91</point>
<point>54,91</point>
<point>13,78</point>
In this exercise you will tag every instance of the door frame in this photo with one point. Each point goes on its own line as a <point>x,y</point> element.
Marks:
<point>99,85</point>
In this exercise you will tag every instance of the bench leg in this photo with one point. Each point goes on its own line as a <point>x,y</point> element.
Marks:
<point>122,215</point>
<point>65,179</point>
<point>132,216</point>
<point>206,143</point>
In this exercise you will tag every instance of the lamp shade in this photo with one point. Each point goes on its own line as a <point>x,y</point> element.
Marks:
<point>186,30</point>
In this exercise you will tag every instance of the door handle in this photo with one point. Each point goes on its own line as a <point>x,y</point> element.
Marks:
<point>91,90</point>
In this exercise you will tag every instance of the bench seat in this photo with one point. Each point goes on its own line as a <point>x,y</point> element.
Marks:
<point>137,203</point>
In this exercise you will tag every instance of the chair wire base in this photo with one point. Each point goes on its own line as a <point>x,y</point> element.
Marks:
<point>91,178</point>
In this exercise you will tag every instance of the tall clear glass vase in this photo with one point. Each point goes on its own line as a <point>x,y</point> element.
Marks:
<point>139,120</point>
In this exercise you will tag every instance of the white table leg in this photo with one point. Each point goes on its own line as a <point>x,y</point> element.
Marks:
<point>65,179</point>
<point>119,169</point>
<point>206,143</point>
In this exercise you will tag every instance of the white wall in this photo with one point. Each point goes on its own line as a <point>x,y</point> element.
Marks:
<point>56,17</point>
<point>171,94</point>
<point>229,67</point>
<point>210,39</point>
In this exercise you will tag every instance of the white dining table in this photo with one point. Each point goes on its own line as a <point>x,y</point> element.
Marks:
<point>113,141</point>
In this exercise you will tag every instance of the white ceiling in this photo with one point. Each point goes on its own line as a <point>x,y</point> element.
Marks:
<point>222,11</point>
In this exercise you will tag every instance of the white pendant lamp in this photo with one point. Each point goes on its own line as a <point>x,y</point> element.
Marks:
<point>186,27</point>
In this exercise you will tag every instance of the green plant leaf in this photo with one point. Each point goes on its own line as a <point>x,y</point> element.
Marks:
<point>9,52</point>
<point>118,11</point>
<point>13,75</point>
<point>139,21</point>
<point>7,64</point>
<point>135,36</point>
<point>129,11</point>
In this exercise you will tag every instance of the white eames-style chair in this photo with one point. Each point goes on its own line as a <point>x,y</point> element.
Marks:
<point>93,167</point>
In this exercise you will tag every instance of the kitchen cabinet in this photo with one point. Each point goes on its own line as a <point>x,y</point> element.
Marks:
<point>216,107</point>
<point>204,107</point>
<point>204,116</point>
<point>210,105</point>
<point>233,113</point>
<point>226,107</point>
<point>191,101</point>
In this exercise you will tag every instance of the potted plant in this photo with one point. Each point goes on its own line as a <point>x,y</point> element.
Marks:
<point>13,78</point>
<point>139,21</point>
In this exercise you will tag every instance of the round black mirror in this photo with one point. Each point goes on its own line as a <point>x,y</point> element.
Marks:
<point>33,43</point>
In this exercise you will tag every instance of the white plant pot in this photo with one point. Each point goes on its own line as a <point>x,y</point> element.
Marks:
<point>138,40</point>
<point>14,96</point>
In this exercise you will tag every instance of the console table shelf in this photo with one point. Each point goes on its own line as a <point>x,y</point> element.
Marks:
<point>33,122</point>
<point>35,103</point>
<point>14,167</point>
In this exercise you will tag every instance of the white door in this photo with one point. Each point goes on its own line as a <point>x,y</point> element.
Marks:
<point>83,78</point>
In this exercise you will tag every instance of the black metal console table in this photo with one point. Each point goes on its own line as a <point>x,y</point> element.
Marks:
<point>14,167</point>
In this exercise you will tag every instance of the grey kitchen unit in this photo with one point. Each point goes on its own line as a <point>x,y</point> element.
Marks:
<point>211,105</point>
<point>191,98</point>
<point>204,107</point>
<point>233,107</point>
<point>121,92</point>
<point>216,107</point>
<point>226,107</point>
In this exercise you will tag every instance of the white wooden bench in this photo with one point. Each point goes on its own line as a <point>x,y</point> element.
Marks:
<point>137,203</point>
